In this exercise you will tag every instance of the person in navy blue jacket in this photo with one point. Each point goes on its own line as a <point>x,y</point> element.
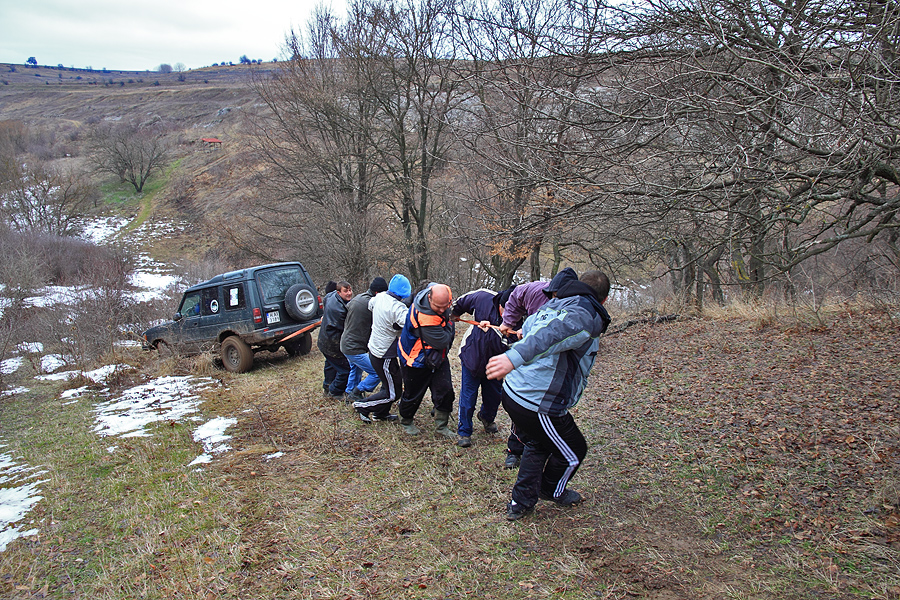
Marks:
<point>479,344</point>
<point>544,376</point>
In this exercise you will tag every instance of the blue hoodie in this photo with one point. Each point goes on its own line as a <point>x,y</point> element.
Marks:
<point>558,348</point>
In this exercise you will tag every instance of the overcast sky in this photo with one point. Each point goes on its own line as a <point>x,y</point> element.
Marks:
<point>139,35</point>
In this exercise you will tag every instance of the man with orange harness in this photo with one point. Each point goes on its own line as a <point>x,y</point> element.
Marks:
<point>426,337</point>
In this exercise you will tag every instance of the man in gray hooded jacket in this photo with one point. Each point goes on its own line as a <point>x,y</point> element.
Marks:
<point>545,375</point>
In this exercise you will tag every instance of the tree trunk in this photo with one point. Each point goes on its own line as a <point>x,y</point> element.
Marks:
<point>534,261</point>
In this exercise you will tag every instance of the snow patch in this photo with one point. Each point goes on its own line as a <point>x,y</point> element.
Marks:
<point>13,391</point>
<point>163,399</point>
<point>212,435</point>
<point>101,231</point>
<point>18,496</point>
<point>52,362</point>
<point>97,375</point>
<point>30,347</point>
<point>10,365</point>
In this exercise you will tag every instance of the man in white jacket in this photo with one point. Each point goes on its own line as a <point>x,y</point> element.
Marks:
<point>388,317</point>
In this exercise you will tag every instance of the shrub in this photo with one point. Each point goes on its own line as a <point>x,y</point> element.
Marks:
<point>98,310</point>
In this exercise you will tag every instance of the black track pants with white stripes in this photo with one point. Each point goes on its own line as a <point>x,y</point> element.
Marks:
<point>554,449</point>
<point>379,404</point>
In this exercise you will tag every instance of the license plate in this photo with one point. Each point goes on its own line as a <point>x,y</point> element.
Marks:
<point>273,317</point>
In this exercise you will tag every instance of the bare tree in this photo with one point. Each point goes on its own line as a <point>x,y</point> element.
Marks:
<point>355,133</point>
<point>524,66</point>
<point>321,185</point>
<point>407,71</point>
<point>130,151</point>
<point>39,198</point>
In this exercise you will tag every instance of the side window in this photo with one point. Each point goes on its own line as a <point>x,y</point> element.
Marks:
<point>190,305</point>
<point>210,302</point>
<point>234,296</point>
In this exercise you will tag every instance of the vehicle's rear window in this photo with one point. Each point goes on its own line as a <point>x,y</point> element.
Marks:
<point>273,283</point>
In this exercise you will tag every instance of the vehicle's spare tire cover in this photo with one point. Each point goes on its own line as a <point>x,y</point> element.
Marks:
<point>301,302</point>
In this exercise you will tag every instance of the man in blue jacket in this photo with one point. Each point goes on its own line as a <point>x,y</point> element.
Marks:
<point>545,375</point>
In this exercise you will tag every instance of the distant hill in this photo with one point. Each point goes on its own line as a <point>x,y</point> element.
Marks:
<point>42,93</point>
<point>205,184</point>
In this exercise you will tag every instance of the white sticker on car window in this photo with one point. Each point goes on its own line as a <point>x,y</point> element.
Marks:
<point>233,297</point>
<point>214,306</point>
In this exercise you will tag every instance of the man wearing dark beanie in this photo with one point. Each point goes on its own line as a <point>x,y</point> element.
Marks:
<point>355,340</point>
<point>544,376</point>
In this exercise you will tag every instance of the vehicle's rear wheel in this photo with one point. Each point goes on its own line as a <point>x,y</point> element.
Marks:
<point>301,302</point>
<point>237,357</point>
<point>301,347</point>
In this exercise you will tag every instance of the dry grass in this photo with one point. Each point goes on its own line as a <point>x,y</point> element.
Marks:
<point>355,511</point>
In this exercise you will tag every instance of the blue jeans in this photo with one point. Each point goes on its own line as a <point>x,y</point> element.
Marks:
<point>491,393</point>
<point>359,364</point>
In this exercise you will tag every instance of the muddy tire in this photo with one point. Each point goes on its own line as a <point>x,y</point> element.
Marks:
<point>301,347</point>
<point>164,349</point>
<point>237,357</point>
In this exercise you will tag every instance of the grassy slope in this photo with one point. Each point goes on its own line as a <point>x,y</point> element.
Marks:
<point>726,461</point>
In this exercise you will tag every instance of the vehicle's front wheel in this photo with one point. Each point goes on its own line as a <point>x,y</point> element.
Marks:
<point>301,347</point>
<point>237,357</point>
<point>164,349</point>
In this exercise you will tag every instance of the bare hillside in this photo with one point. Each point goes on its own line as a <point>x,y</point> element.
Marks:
<point>203,184</point>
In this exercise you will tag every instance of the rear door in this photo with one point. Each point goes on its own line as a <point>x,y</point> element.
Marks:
<point>236,311</point>
<point>272,284</point>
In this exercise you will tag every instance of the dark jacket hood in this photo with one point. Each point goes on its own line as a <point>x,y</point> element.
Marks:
<point>501,297</point>
<point>566,284</point>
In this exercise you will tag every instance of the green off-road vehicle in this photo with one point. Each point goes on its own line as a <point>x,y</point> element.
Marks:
<point>242,312</point>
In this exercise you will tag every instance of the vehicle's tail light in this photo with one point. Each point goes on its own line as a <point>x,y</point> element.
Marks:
<point>321,305</point>
<point>257,315</point>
